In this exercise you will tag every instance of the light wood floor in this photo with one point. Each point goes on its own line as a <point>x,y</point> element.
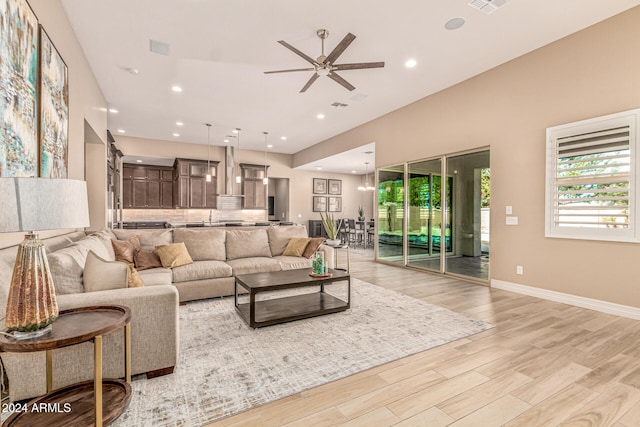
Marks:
<point>544,364</point>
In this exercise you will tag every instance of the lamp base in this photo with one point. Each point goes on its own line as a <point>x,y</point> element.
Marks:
<point>20,336</point>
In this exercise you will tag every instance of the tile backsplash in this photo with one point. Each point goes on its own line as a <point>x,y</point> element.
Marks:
<point>182,216</point>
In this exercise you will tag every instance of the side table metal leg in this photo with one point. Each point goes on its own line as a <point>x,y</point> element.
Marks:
<point>348,261</point>
<point>49,371</point>
<point>127,353</point>
<point>97,381</point>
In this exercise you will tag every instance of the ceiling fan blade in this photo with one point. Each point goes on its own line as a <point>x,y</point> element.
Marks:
<point>290,71</point>
<point>358,66</point>
<point>333,76</point>
<point>346,41</point>
<point>310,82</point>
<point>299,53</point>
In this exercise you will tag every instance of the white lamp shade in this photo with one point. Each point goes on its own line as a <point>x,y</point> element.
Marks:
<point>32,204</point>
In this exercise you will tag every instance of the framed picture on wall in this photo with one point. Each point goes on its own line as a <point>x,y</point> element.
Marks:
<point>319,204</point>
<point>54,110</point>
<point>319,186</point>
<point>335,186</point>
<point>335,204</point>
<point>18,89</point>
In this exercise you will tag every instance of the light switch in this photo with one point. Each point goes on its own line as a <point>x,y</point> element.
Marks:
<point>512,220</point>
<point>509,210</point>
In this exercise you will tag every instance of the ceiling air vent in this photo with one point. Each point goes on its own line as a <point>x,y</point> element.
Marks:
<point>487,6</point>
<point>158,47</point>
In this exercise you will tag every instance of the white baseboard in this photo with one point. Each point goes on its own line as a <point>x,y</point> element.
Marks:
<point>591,304</point>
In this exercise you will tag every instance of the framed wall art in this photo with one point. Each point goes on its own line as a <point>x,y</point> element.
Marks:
<point>335,186</point>
<point>335,204</point>
<point>319,186</point>
<point>54,110</point>
<point>319,204</point>
<point>18,89</point>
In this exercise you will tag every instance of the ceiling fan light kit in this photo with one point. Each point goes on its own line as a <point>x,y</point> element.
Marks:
<point>325,65</point>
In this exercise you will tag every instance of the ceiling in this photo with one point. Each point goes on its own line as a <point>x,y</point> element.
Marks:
<point>218,51</point>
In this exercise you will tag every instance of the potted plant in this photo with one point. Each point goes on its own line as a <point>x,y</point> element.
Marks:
<point>360,213</point>
<point>331,227</point>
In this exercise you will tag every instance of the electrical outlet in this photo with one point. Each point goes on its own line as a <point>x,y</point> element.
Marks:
<point>519,269</point>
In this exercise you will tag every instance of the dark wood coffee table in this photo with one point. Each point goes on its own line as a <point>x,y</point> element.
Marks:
<point>289,308</point>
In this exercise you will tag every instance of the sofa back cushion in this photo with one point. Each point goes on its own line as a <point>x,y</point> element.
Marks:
<point>67,264</point>
<point>279,237</point>
<point>149,239</point>
<point>203,245</point>
<point>247,243</point>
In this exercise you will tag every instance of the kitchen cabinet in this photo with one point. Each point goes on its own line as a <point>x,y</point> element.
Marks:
<point>147,187</point>
<point>253,189</point>
<point>191,189</point>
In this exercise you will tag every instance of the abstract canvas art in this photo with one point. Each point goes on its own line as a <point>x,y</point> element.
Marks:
<point>18,95</point>
<point>54,111</point>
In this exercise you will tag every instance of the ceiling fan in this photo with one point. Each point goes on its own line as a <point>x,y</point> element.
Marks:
<point>325,65</point>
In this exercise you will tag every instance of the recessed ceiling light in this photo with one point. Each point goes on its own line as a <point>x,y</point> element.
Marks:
<point>133,71</point>
<point>320,116</point>
<point>284,138</point>
<point>226,141</point>
<point>454,24</point>
<point>138,161</point>
<point>270,146</point>
<point>235,131</point>
<point>176,88</point>
<point>319,168</point>
<point>410,63</point>
<point>120,130</point>
<point>179,124</point>
<point>176,134</point>
<point>113,110</point>
<point>353,172</point>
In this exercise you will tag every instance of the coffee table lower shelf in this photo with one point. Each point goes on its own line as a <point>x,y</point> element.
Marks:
<point>288,309</point>
<point>79,410</point>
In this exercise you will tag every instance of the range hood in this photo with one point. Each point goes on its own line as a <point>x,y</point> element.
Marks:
<point>228,201</point>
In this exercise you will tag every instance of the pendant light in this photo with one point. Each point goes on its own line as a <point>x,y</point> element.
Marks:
<point>208,177</point>
<point>265,180</point>
<point>238,178</point>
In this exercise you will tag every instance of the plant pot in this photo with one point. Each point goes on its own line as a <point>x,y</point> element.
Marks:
<point>360,218</point>
<point>334,242</point>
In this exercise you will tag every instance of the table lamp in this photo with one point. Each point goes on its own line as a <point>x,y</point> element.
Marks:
<point>30,205</point>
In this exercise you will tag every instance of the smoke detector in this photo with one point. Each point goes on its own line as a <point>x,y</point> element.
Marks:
<point>487,6</point>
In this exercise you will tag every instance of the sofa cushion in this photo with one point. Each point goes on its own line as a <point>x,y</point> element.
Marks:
<point>314,244</point>
<point>201,270</point>
<point>102,275</point>
<point>247,243</point>
<point>293,262</point>
<point>156,276</point>
<point>203,245</point>
<point>254,265</point>
<point>145,260</point>
<point>66,265</point>
<point>279,237</point>
<point>296,246</point>
<point>149,239</point>
<point>173,255</point>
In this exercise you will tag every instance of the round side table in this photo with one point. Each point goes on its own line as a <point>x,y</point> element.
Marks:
<point>98,402</point>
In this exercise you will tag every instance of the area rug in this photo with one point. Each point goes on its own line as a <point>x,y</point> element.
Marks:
<point>225,367</point>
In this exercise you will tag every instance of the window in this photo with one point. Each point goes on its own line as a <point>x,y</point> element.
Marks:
<point>591,179</point>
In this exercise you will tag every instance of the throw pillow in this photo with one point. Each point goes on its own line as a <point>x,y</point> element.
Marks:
<point>173,255</point>
<point>135,281</point>
<point>125,250</point>
<point>145,260</point>
<point>296,246</point>
<point>314,244</point>
<point>102,275</point>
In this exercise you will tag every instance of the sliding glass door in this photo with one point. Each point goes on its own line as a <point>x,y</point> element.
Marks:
<point>391,214</point>
<point>428,224</point>
<point>438,224</point>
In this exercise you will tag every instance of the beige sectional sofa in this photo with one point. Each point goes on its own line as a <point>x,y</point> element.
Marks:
<point>218,255</point>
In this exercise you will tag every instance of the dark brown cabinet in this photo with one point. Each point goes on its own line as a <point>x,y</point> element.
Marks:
<point>253,189</point>
<point>147,187</point>
<point>191,189</point>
